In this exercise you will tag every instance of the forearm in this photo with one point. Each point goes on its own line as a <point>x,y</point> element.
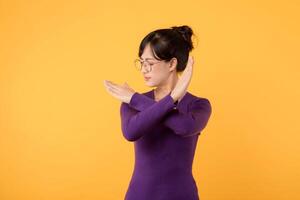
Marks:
<point>137,123</point>
<point>181,122</point>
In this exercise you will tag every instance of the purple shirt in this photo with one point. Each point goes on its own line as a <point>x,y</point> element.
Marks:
<point>165,135</point>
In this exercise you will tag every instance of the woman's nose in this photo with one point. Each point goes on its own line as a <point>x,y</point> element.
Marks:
<point>145,68</point>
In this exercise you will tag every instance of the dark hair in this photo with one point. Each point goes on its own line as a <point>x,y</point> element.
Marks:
<point>169,43</point>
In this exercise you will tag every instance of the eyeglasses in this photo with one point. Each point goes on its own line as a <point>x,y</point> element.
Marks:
<point>138,63</point>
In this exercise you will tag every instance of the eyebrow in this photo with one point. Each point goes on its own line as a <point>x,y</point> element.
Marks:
<point>148,58</point>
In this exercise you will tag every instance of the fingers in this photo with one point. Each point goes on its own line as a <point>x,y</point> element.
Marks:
<point>108,86</point>
<point>111,90</point>
<point>190,61</point>
<point>126,85</point>
<point>113,93</point>
<point>188,71</point>
<point>112,85</point>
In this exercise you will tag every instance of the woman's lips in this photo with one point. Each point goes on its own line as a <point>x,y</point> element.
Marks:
<point>147,78</point>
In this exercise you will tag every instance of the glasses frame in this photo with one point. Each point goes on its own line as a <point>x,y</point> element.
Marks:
<point>141,63</point>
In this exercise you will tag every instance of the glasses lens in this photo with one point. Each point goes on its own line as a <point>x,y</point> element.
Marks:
<point>137,64</point>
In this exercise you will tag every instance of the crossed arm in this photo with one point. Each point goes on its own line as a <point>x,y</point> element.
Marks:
<point>142,113</point>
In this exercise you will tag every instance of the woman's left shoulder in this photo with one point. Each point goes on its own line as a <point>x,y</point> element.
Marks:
<point>198,100</point>
<point>194,97</point>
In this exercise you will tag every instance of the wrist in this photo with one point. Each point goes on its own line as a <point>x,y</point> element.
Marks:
<point>173,97</point>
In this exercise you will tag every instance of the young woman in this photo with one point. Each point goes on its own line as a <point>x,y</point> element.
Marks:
<point>164,123</point>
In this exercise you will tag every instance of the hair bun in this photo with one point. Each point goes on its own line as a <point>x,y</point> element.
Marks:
<point>186,33</point>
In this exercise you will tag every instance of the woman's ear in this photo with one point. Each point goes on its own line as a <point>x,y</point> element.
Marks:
<point>173,64</point>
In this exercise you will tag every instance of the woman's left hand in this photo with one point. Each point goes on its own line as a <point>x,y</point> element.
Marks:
<point>182,84</point>
<point>121,92</point>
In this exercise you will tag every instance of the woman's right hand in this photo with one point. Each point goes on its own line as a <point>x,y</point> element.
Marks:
<point>122,92</point>
<point>182,84</point>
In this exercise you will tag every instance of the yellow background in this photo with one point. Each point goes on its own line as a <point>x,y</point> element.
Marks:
<point>60,133</point>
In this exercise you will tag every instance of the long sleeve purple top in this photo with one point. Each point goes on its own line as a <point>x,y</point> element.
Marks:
<point>165,135</point>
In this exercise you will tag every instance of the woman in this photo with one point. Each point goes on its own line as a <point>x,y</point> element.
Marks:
<point>164,123</point>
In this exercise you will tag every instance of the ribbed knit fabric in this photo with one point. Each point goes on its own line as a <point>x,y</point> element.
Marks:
<point>165,135</point>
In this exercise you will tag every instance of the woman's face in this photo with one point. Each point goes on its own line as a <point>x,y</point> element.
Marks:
<point>160,69</point>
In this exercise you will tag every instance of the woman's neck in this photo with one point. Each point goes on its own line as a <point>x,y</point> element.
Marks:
<point>163,90</point>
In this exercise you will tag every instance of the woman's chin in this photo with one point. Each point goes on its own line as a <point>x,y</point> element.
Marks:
<point>148,83</point>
